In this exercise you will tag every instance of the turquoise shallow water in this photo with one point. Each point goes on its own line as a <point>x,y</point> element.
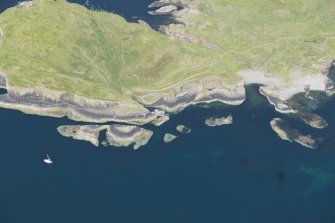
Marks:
<point>234,174</point>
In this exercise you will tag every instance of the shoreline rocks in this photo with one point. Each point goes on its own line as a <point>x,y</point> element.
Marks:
<point>204,90</point>
<point>286,132</point>
<point>213,122</point>
<point>164,10</point>
<point>45,102</point>
<point>116,135</point>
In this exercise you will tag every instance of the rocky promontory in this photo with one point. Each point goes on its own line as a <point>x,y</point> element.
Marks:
<point>126,135</point>
<point>213,122</point>
<point>286,132</point>
<point>116,135</point>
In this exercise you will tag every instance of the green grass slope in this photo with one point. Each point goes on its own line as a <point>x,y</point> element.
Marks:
<point>63,46</point>
<point>274,36</point>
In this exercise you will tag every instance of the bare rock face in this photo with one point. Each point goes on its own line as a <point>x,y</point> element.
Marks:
<point>205,90</point>
<point>53,103</point>
<point>286,132</point>
<point>213,122</point>
<point>116,135</point>
<point>125,135</point>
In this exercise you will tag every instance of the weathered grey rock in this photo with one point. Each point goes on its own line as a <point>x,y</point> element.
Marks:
<point>169,137</point>
<point>88,133</point>
<point>47,102</point>
<point>25,4</point>
<point>212,122</point>
<point>183,129</point>
<point>313,120</point>
<point>126,135</point>
<point>164,10</point>
<point>116,135</point>
<point>286,132</point>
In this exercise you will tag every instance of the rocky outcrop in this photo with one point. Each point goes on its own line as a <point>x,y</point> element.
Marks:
<point>47,102</point>
<point>313,120</point>
<point>286,132</point>
<point>125,135</point>
<point>183,129</point>
<point>213,122</point>
<point>116,135</point>
<point>88,133</point>
<point>278,90</point>
<point>164,10</point>
<point>169,137</point>
<point>205,90</point>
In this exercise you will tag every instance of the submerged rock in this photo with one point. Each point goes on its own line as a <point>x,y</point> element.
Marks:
<point>313,120</point>
<point>169,137</point>
<point>286,132</point>
<point>116,135</point>
<point>212,122</point>
<point>183,129</point>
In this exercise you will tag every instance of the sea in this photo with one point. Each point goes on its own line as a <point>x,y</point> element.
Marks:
<point>239,173</point>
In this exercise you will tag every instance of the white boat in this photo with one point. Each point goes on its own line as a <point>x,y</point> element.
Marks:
<point>48,160</point>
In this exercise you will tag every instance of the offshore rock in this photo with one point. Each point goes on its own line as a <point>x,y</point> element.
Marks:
<point>169,137</point>
<point>88,133</point>
<point>212,122</point>
<point>313,120</point>
<point>116,135</point>
<point>183,129</point>
<point>286,132</point>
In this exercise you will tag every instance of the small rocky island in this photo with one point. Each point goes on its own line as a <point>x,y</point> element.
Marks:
<point>286,132</point>
<point>168,137</point>
<point>183,129</point>
<point>116,135</point>
<point>213,122</point>
<point>313,120</point>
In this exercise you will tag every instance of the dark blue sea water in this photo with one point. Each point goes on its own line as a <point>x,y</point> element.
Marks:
<point>230,174</point>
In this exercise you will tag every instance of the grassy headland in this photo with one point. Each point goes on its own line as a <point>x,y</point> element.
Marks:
<point>63,46</point>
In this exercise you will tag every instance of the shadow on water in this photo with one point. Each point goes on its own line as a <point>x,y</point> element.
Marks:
<point>3,91</point>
